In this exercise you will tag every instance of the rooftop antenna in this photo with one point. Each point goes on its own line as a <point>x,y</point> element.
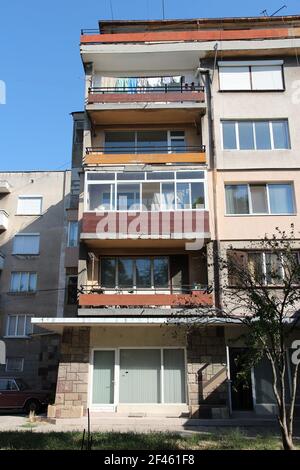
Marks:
<point>111,9</point>
<point>279,9</point>
<point>264,12</point>
<point>163,8</point>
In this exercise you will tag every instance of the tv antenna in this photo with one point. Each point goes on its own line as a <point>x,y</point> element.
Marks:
<point>163,8</point>
<point>265,12</point>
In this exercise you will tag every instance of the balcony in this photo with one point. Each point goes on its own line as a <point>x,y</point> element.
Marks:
<point>3,220</point>
<point>4,187</point>
<point>145,155</point>
<point>172,104</point>
<point>94,296</point>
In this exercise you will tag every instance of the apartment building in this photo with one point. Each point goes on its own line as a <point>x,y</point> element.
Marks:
<point>190,144</point>
<point>33,244</point>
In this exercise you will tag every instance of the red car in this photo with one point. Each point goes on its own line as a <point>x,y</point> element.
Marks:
<point>15,394</point>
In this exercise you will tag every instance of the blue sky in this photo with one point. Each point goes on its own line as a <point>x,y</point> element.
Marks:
<point>41,66</point>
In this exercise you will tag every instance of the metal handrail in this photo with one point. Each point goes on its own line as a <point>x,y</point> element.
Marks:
<point>99,289</point>
<point>147,89</point>
<point>146,149</point>
<point>89,31</point>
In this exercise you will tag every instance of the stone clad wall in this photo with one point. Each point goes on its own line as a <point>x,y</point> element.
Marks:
<point>206,371</point>
<point>72,382</point>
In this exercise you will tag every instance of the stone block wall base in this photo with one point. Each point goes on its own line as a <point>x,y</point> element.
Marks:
<point>58,411</point>
<point>208,412</point>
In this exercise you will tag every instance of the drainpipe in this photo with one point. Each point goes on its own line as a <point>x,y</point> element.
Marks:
<point>205,73</point>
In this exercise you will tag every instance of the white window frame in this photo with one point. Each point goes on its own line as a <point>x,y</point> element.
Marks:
<point>114,183</point>
<point>14,358</point>
<point>30,196</point>
<point>110,407</point>
<point>253,122</point>
<point>14,252</point>
<point>70,222</point>
<point>17,315</point>
<point>20,274</point>
<point>249,65</point>
<point>260,183</point>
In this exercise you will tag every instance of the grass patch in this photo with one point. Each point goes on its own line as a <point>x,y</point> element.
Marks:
<point>226,440</point>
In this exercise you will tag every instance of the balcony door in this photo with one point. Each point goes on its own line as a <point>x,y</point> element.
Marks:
<point>103,379</point>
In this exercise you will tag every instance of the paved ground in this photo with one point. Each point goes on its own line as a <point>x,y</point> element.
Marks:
<point>107,422</point>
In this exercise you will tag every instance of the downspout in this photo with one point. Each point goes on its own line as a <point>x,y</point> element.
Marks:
<point>212,166</point>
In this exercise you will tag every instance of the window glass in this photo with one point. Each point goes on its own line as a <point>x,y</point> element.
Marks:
<point>128,197</point>
<point>151,196</point>
<point>246,135</point>
<point>72,290</point>
<point>32,282</point>
<point>281,135</point>
<point>125,272</point>
<point>281,198</point>
<point>190,175</point>
<point>161,272</point>
<point>15,282</point>
<point>14,364</point>
<point>274,272</point>
<point>143,272</point>
<point>12,323</point>
<point>197,190</point>
<point>100,176</point>
<point>255,266</point>
<point>237,199</point>
<point>262,135</point>
<point>152,141</point>
<point>21,325</point>
<point>229,135</point>
<point>24,282</point>
<point>131,175</point>
<point>163,175</point>
<point>183,195</point>
<point>73,234</point>
<point>4,384</point>
<point>168,196</point>
<point>26,244</point>
<point>28,325</point>
<point>259,198</point>
<point>108,272</point>
<point>99,197</point>
<point>116,142</point>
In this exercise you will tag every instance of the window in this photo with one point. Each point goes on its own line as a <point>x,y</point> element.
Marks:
<point>144,141</point>
<point>23,282</point>
<point>271,198</point>
<point>72,234</point>
<point>14,364</point>
<point>26,244</point>
<point>29,205</point>
<point>19,325</point>
<point>71,297</point>
<point>131,273</point>
<point>255,135</point>
<point>145,191</point>
<point>251,76</point>
<point>78,132</point>
<point>7,384</point>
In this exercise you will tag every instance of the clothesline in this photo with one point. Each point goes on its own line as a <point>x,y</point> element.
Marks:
<point>141,82</point>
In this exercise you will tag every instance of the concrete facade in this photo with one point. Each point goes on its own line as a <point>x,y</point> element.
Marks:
<point>41,349</point>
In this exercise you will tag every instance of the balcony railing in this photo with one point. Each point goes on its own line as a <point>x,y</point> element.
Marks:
<point>145,154</point>
<point>181,297</point>
<point>145,149</point>
<point>152,94</point>
<point>146,89</point>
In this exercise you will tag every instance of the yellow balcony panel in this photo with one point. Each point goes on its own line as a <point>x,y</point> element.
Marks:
<point>95,158</point>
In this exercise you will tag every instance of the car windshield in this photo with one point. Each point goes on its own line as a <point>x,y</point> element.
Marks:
<point>21,384</point>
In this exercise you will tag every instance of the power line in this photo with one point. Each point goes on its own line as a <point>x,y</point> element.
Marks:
<point>111,9</point>
<point>163,8</point>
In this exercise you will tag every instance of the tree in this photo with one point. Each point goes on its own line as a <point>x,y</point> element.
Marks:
<point>260,288</point>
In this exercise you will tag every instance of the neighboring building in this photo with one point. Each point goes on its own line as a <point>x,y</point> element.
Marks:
<point>32,273</point>
<point>190,133</point>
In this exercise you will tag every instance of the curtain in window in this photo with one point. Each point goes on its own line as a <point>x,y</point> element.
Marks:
<point>237,199</point>
<point>281,198</point>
